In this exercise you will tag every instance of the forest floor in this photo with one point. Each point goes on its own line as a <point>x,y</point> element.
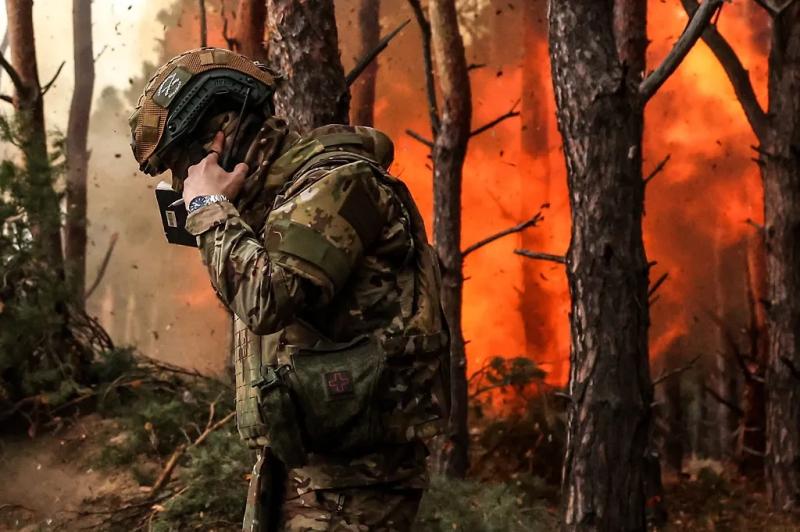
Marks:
<point>49,483</point>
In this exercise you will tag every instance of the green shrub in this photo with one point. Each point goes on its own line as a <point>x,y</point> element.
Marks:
<point>484,507</point>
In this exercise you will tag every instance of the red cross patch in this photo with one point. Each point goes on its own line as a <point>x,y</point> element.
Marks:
<point>339,383</point>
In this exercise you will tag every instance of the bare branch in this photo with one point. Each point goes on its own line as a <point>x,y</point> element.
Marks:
<point>101,52</point>
<point>657,285</point>
<point>657,170</point>
<point>427,56</point>
<point>541,256</point>
<point>786,5</point>
<point>365,61</point>
<point>103,265</point>
<point>510,231</point>
<point>737,74</point>
<point>741,359</point>
<point>697,24</point>
<point>6,98</point>
<point>49,84</point>
<point>675,372</point>
<point>736,409</point>
<point>12,74</point>
<point>511,114</point>
<point>416,136</point>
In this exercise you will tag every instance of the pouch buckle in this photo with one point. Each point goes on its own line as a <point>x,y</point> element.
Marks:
<point>272,377</point>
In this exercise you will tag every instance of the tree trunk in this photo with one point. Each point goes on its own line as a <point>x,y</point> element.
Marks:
<point>304,46</point>
<point>29,105</point>
<point>754,395</point>
<point>601,120</point>
<point>203,23</point>
<point>535,146</point>
<point>781,175</point>
<point>248,39</point>
<point>77,154</point>
<point>449,152</point>
<point>362,106</point>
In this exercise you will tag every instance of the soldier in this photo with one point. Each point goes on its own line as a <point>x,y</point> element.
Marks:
<point>322,257</point>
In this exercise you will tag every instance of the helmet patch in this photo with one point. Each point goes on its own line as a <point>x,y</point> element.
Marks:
<point>171,86</point>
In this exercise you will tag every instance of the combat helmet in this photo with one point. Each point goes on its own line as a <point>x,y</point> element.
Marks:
<point>181,92</point>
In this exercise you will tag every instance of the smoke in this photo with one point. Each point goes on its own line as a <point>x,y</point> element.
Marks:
<point>158,296</point>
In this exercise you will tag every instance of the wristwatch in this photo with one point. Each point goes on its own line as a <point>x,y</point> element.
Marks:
<point>202,201</point>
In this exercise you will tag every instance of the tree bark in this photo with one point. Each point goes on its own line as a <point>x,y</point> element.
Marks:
<point>29,105</point>
<point>362,107</point>
<point>601,120</point>
<point>449,151</point>
<point>304,46</point>
<point>248,38</point>
<point>77,153</point>
<point>780,151</point>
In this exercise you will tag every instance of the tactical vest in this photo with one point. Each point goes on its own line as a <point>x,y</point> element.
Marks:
<point>300,393</point>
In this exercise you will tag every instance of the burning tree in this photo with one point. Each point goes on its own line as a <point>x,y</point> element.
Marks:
<point>597,51</point>
<point>777,130</point>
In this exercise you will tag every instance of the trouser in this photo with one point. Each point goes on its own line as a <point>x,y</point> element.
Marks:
<point>270,508</point>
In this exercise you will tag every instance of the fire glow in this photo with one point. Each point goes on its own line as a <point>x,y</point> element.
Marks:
<point>696,209</point>
<point>697,206</point>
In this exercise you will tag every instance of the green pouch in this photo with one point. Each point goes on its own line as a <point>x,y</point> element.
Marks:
<point>280,415</point>
<point>336,386</point>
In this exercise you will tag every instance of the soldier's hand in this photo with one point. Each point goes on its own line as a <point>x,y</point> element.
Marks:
<point>207,177</point>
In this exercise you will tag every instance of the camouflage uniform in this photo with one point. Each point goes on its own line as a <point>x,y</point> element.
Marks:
<point>323,247</point>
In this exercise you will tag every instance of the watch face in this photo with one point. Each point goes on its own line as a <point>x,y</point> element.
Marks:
<point>197,202</point>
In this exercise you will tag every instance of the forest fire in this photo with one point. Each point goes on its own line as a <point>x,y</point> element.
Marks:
<point>582,175</point>
<point>697,208</point>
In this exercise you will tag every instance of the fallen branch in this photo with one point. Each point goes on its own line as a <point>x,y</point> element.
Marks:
<point>103,265</point>
<point>416,136</point>
<point>734,408</point>
<point>694,29</point>
<point>669,374</point>
<point>49,84</point>
<point>427,57</point>
<point>510,114</point>
<point>510,231</point>
<point>541,256</point>
<point>365,61</point>
<point>657,170</point>
<point>166,473</point>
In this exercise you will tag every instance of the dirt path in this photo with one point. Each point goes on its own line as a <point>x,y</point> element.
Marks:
<point>46,481</point>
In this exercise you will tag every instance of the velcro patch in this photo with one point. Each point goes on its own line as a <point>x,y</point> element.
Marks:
<point>171,86</point>
<point>339,383</point>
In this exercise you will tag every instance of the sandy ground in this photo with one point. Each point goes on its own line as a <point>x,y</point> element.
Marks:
<point>47,480</point>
